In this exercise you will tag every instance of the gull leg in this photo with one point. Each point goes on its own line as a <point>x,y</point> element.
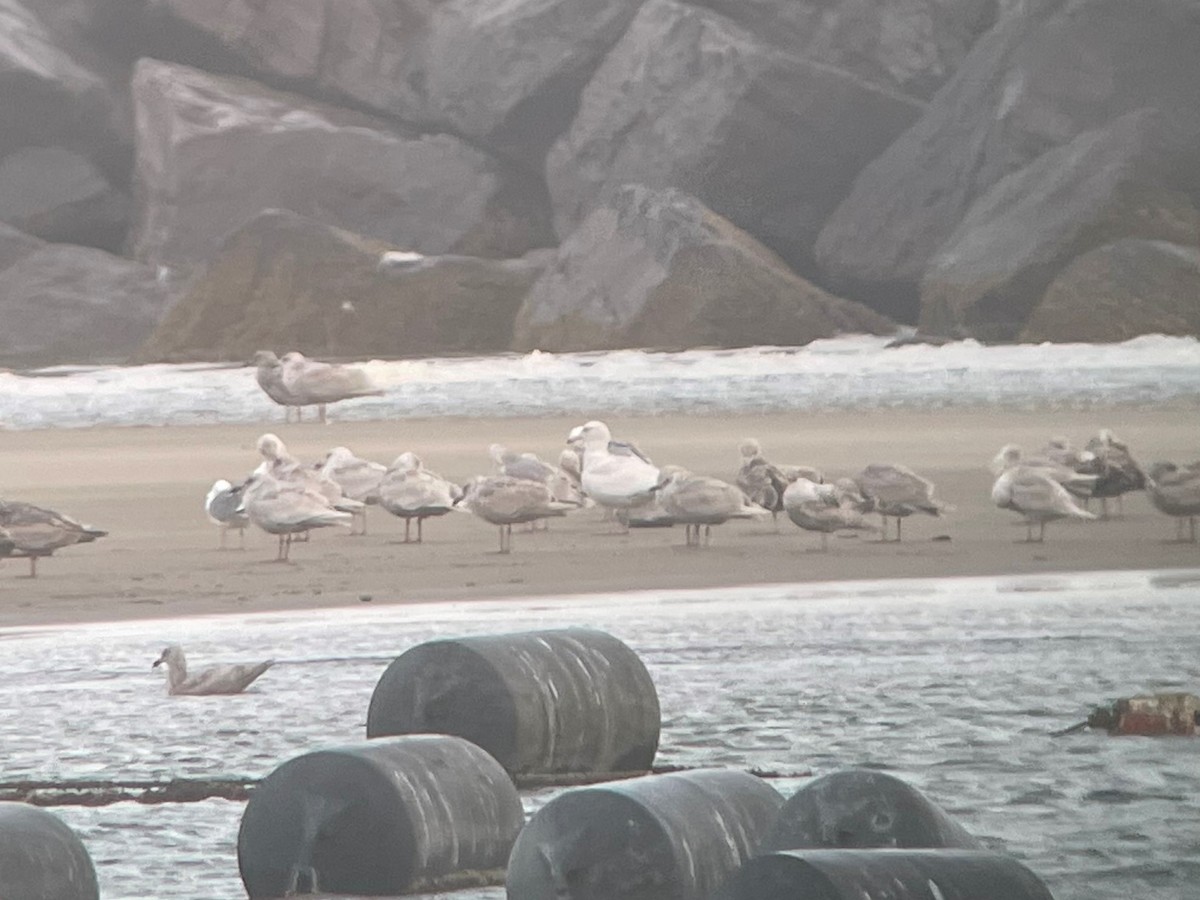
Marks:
<point>279,552</point>
<point>824,541</point>
<point>1103,507</point>
<point>898,521</point>
<point>1041,532</point>
<point>707,533</point>
<point>33,566</point>
<point>407,524</point>
<point>221,546</point>
<point>420,536</point>
<point>241,538</point>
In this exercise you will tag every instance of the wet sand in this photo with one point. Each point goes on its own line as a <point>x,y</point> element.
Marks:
<point>147,487</point>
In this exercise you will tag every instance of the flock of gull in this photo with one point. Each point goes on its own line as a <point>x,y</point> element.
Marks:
<point>288,498</point>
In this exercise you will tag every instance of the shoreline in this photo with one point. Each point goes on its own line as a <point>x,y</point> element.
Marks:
<point>147,485</point>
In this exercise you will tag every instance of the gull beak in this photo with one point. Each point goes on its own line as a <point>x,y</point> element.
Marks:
<point>158,662</point>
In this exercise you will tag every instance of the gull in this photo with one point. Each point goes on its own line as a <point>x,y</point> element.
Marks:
<point>615,475</point>
<point>1115,469</point>
<point>1036,496</point>
<point>287,508</point>
<point>1176,492</point>
<point>280,464</point>
<point>1059,450</point>
<point>765,482</point>
<point>35,532</point>
<point>566,484</point>
<point>895,492</point>
<point>1080,484</point>
<point>520,465</point>
<point>269,374</point>
<point>232,679</point>
<point>357,478</point>
<point>698,500</point>
<point>826,508</point>
<point>312,382</point>
<point>410,491</point>
<point>223,505</point>
<point>506,501</point>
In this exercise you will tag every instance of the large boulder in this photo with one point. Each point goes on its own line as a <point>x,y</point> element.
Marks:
<point>72,304</point>
<point>1118,181</point>
<point>655,268</point>
<point>212,152</point>
<point>688,99</point>
<point>1121,290</point>
<point>285,281</point>
<point>1034,82</point>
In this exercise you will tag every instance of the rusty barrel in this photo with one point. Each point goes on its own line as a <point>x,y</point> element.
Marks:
<point>864,808</point>
<point>884,875</point>
<point>567,701</point>
<point>41,858</point>
<point>666,837</point>
<point>383,817</point>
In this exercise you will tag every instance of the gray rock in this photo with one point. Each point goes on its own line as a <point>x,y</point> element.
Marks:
<point>655,268</point>
<point>213,152</point>
<point>61,197</point>
<point>287,282</point>
<point>1106,184</point>
<point>690,100</point>
<point>72,304</point>
<point>1042,76</point>
<point>1119,291</point>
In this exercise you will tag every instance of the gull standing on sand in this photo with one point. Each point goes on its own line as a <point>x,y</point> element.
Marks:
<point>698,500</point>
<point>615,474</point>
<point>1036,496</point>
<point>896,492</point>
<point>35,532</point>
<point>357,478</point>
<point>1078,483</point>
<point>1176,492</point>
<point>765,482</point>
<point>231,679</point>
<point>280,464</point>
<point>223,506</point>
<point>410,491</point>
<point>825,508</point>
<point>311,382</point>
<point>287,508</point>
<point>505,502</point>
<point>1115,469</point>
<point>269,374</point>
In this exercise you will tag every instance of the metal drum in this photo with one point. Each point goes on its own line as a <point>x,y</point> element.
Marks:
<point>41,858</point>
<point>570,701</point>
<point>885,875</point>
<point>384,817</point>
<point>864,808</point>
<point>658,837</point>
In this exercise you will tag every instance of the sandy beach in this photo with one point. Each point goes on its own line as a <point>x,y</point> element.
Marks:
<point>147,486</point>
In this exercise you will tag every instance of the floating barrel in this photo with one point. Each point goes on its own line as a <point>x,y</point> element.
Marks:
<point>541,702</point>
<point>864,808</point>
<point>885,875</point>
<point>41,858</point>
<point>658,837</point>
<point>385,817</point>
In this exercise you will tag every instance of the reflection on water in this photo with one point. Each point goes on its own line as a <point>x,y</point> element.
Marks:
<point>952,685</point>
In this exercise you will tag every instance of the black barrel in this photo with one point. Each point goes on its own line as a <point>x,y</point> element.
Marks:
<point>885,875</point>
<point>570,701</point>
<point>41,858</point>
<point>864,808</point>
<point>658,837</point>
<point>384,817</point>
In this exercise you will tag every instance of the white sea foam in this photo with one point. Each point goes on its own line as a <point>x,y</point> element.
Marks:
<point>854,372</point>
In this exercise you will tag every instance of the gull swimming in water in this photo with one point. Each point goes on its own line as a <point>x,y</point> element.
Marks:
<point>505,501</point>
<point>269,374</point>
<point>232,679</point>
<point>35,532</point>
<point>896,492</point>
<point>223,506</point>
<point>312,382</point>
<point>826,508</point>
<point>357,478</point>
<point>410,491</point>
<point>1036,496</point>
<point>1176,492</point>
<point>287,508</point>
<point>698,500</point>
<point>615,474</point>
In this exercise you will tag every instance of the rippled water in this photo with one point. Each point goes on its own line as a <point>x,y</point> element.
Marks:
<point>953,685</point>
<point>854,372</point>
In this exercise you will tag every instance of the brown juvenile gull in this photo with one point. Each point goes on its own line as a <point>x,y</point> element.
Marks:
<point>765,482</point>
<point>895,492</point>
<point>358,479</point>
<point>36,532</point>
<point>312,382</point>
<point>410,491</point>
<point>825,508</point>
<point>698,500</point>
<point>231,679</point>
<point>269,374</point>
<point>1037,497</point>
<point>1175,492</point>
<point>223,506</point>
<point>505,501</point>
<point>287,508</point>
<point>1115,469</point>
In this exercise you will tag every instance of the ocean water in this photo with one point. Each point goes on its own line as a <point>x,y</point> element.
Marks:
<point>954,685</point>
<point>855,372</point>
